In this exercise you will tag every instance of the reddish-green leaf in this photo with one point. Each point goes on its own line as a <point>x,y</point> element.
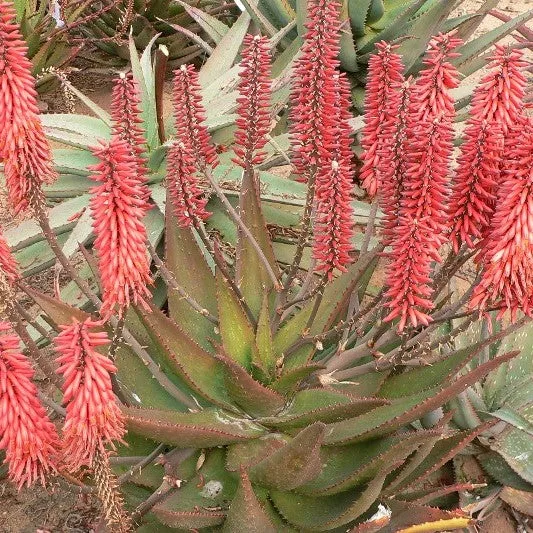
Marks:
<point>293,465</point>
<point>288,382</point>
<point>249,453</point>
<point>211,427</point>
<point>245,514</point>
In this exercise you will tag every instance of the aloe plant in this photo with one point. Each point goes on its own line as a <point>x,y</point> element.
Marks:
<point>270,384</point>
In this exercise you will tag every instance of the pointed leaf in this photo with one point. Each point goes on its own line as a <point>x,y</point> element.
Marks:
<point>293,465</point>
<point>250,273</point>
<point>185,260</point>
<point>407,409</point>
<point>225,54</point>
<point>208,428</point>
<point>516,447</point>
<point>245,514</point>
<point>498,469</point>
<point>312,405</point>
<point>254,398</point>
<point>199,369</point>
<point>249,453</point>
<point>211,25</point>
<point>263,339</point>
<point>238,336</point>
<point>519,500</point>
<point>289,381</point>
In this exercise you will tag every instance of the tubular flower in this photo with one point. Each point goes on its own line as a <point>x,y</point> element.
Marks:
<point>118,207</point>
<point>8,264</point>
<point>393,167</point>
<point>433,98</point>
<point>253,123</point>
<point>26,434</point>
<point>183,187</point>
<point>23,146</point>
<point>126,119</point>
<point>507,255</point>
<point>93,417</point>
<point>313,87</point>
<point>381,105</point>
<point>189,115</point>
<point>334,182</point>
<point>496,106</point>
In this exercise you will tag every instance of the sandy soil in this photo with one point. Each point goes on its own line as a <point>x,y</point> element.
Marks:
<point>58,509</point>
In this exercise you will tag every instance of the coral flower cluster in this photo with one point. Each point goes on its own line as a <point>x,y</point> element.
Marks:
<point>24,149</point>
<point>253,123</point>
<point>407,160</point>
<point>26,433</point>
<point>118,206</point>
<point>93,418</point>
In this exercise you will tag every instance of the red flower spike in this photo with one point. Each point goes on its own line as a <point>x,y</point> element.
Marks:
<point>381,104</point>
<point>496,106</point>
<point>118,207</point>
<point>333,187</point>
<point>26,433</point>
<point>253,104</point>
<point>23,146</point>
<point>126,119</point>
<point>8,264</point>
<point>93,417</point>
<point>313,88</point>
<point>432,89</point>
<point>393,162</point>
<point>189,116</point>
<point>507,254</point>
<point>184,188</point>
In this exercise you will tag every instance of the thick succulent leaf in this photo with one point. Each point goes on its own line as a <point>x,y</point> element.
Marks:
<point>79,131</point>
<point>80,234</point>
<point>215,28</point>
<point>238,335</point>
<point>198,368</point>
<point>289,381</point>
<point>185,260</point>
<point>38,256</point>
<point>367,460</point>
<point>422,28</point>
<point>245,514</point>
<point>312,405</point>
<point>516,419</point>
<point>225,54</point>
<point>60,218</point>
<point>69,161</point>
<point>294,464</point>
<point>443,450</point>
<point>348,52</point>
<point>427,377</point>
<point>519,500</point>
<point>291,331</point>
<point>323,514</point>
<point>207,428</point>
<point>367,385</point>
<point>516,447</point>
<point>470,60</point>
<point>387,418</point>
<point>358,12</point>
<point>497,468</point>
<point>250,273</point>
<point>202,499</point>
<point>253,397</point>
<point>408,516</point>
<point>249,453</point>
<point>263,339</point>
<point>466,29</point>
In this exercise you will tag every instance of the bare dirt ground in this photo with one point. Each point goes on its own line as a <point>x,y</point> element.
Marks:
<point>58,509</point>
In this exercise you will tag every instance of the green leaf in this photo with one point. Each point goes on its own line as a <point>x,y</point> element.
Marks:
<point>68,161</point>
<point>402,411</point>
<point>348,53</point>
<point>513,417</point>
<point>516,447</point>
<point>79,130</point>
<point>80,234</point>
<point>326,513</point>
<point>211,25</point>
<point>225,54</point>
<point>199,369</point>
<point>427,377</point>
<point>263,339</point>
<point>294,464</point>
<point>102,114</point>
<point>358,11</point>
<point>496,466</point>
<point>250,272</point>
<point>199,502</point>
<point>185,260</point>
<point>245,514</point>
<point>311,405</point>
<point>254,398</point>
<point>249,453</point>
<point>290,380</point>
<point>238,336</point>
<point>469,60</point>
<point>207,428</point>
